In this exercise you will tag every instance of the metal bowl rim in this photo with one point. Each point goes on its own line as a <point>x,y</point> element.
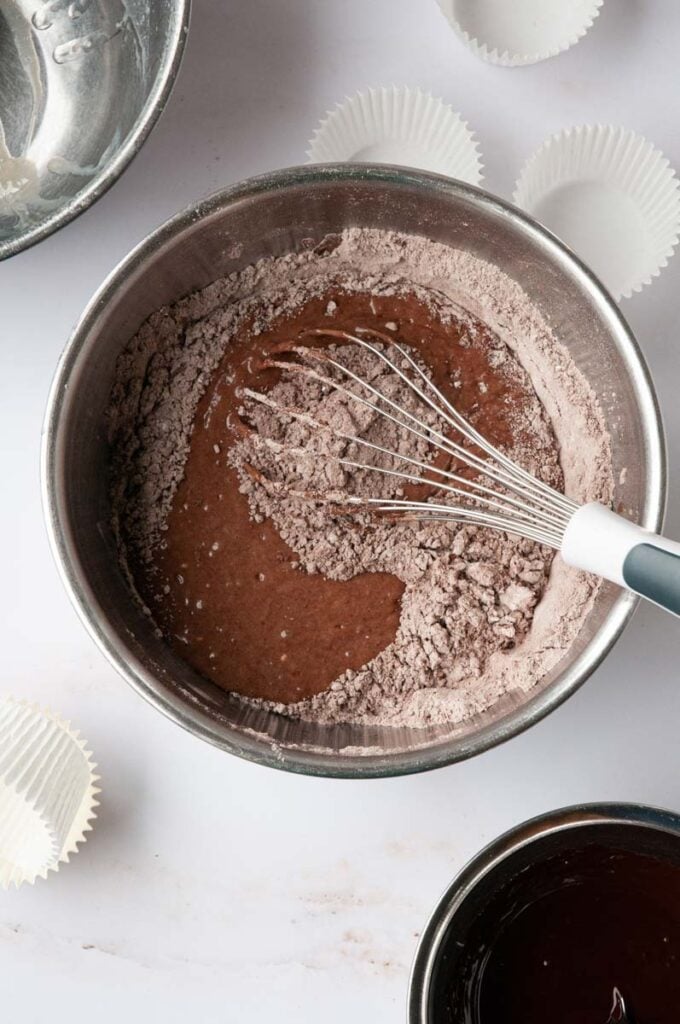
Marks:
<point>99,185</point>
<point>311,762</point>
<point>492,856</point>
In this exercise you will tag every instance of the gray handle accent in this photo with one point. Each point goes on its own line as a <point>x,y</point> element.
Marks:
<point>654,573</point>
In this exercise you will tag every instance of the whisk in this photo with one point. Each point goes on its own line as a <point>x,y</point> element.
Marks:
<point>500,495</point>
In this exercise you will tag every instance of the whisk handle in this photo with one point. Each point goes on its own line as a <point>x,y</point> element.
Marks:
<point>605,543</point>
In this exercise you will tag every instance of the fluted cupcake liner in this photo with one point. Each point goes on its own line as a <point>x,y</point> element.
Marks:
<point>517,32</point>
<point>47,791</point>
<point>611,196</point>
<point>398,125</point>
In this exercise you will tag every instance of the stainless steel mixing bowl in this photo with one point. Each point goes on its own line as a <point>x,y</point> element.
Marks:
<point>81,85</point>
<point>269,216</point>
<point>448,949</point>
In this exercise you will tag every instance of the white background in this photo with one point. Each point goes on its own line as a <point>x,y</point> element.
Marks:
<point>213,890</point>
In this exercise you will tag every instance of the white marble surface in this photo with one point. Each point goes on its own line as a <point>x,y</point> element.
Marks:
<point>213,890</point>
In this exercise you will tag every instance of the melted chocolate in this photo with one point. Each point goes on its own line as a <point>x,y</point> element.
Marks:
<point>554,945</point>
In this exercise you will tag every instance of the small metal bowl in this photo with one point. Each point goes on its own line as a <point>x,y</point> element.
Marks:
<point>269,216</point>
<point>449,945</point>
<point>82,83</point>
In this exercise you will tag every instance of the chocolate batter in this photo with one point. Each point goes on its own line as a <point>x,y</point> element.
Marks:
<point>227,591</point>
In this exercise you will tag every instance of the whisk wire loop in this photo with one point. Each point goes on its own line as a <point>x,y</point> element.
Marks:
<point>532,508</point>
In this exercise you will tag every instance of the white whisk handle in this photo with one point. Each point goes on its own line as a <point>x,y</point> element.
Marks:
<point>605,543</point>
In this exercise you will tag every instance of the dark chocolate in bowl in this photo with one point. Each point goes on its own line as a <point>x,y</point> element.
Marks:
<point>550,919</point>
<point>283,212</point>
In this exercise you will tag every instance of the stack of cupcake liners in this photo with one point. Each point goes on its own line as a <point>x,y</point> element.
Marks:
<point>398,125</point>
<point>520,32</point>
<point>48,790</point>
<point>609,194</point>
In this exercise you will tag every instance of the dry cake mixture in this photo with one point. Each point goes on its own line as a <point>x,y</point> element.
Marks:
<point>309,611</point>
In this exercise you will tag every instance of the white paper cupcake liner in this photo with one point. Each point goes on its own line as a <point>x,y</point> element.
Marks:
<point>398,125</point>
<point>611,196</point>
<point>47,792</point>
<point>516,32</point>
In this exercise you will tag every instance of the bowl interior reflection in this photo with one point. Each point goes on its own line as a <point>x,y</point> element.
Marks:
<point>80,86</point>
